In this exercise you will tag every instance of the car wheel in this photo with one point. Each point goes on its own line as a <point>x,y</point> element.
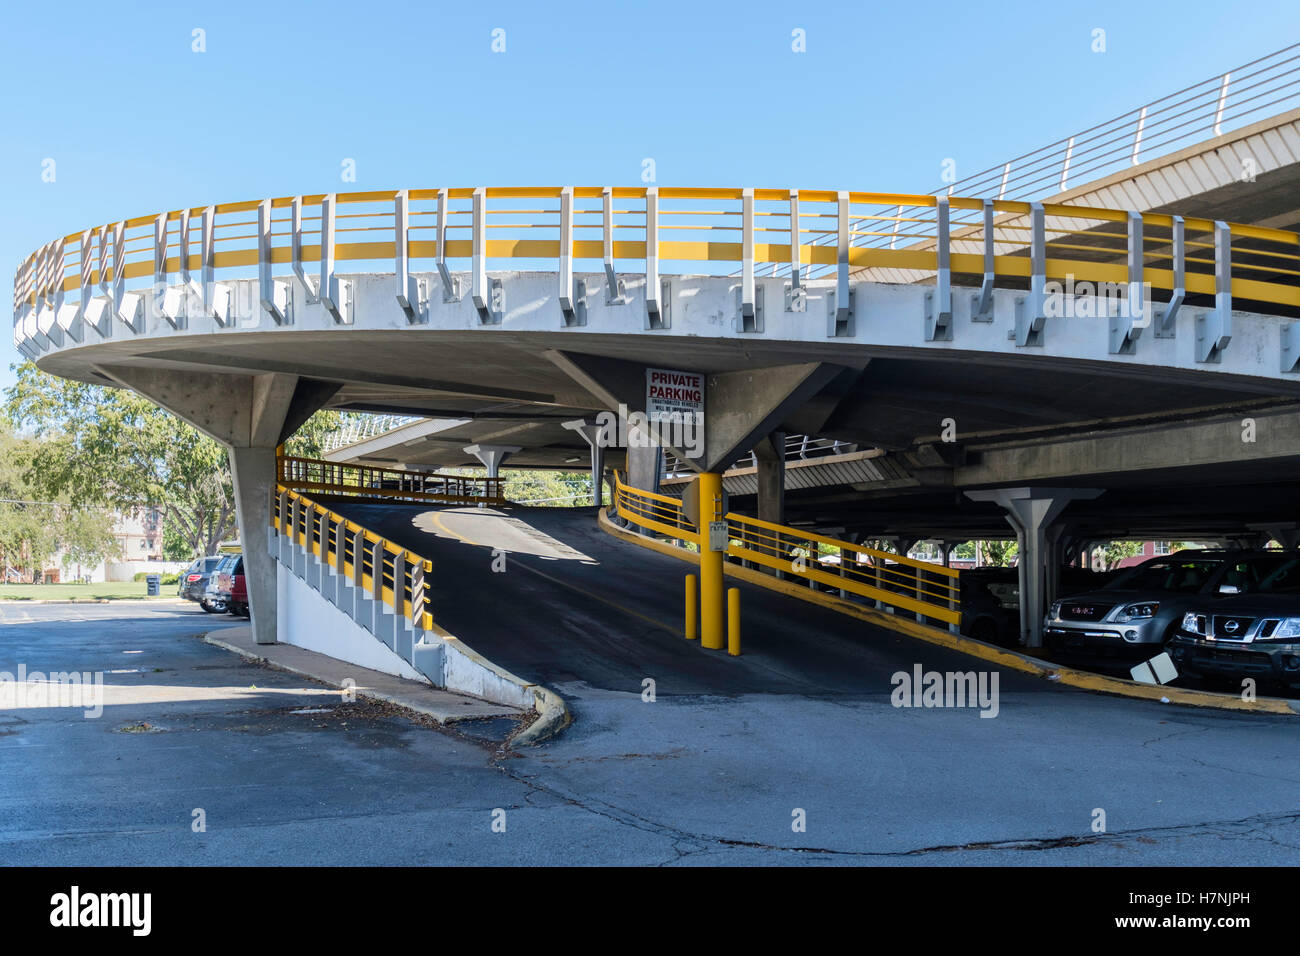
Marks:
<point>209,608</point>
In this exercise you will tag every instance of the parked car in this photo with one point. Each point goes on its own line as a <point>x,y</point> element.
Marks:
<point>235,587</point>
<point>1140,609</point>
<point>193,580</point>
<point>216,598</point>
<point>1256,634</point>
<point>985,615</point>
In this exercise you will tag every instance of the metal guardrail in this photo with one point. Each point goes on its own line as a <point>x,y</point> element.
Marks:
<point>83,280</point>
<point>1221,103</point>
<point>388,573</point>
<point>313,474</point>
<point>927,590</point>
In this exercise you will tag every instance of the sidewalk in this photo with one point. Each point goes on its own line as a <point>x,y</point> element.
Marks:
<point>443,706</point>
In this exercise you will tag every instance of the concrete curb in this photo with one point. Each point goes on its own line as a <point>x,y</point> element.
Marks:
<point>553,713</point>
<point>440,716</point>
<point>1014,660</point>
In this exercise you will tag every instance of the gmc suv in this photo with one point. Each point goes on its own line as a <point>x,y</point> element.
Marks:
<point>1140,609</point>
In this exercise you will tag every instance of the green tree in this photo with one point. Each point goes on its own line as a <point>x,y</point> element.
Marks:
<point>33,530</point>
<point>548,489</point>
<point>110,448</point>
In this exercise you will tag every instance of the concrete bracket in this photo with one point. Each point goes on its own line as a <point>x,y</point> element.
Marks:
<point>747,306</point>
<point>412,297</point>
<point>840,313</point>
<point>1130,317</point>
<point>308,284</point>
<point>47,324</point>
<point>335,293</point>
<point>272,295</point>
<point>1214,329</point>
<point>451,284</point>
<point>491,303</point>
<point>568,291</point>
<point>614,291</point>
<point>662,316</point>
<point>753,320</point>
<point>1291,347</point>
<point>1028,332</point>
<point>656,308</point>
<point>173,305</point>
<point>982,304</point>
<point>576,316</point>
<point>938,301</point>
<point>796,297</point>
<point>1166,319</point>
<point>70,321</point>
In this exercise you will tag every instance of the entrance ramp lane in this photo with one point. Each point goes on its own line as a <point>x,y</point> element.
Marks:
<point>576,605</point>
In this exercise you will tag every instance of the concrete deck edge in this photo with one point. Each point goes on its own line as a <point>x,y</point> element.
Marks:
<point>1015,660</point>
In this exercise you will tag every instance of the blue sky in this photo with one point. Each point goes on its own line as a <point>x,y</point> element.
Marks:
<point>137,122</point>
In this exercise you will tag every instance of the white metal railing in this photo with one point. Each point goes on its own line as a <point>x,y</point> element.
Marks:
<point>797,448</point>
<point>1221,103</point>
<point>360,427</point>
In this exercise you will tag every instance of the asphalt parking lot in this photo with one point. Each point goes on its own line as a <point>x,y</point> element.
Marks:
<point>284,773</point>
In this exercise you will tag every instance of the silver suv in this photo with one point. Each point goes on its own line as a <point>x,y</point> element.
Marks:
<point>1140,609</point>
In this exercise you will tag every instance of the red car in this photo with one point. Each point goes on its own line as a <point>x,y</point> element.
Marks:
<point>232,582</point>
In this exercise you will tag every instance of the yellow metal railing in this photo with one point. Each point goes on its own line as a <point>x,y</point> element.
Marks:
<point>388,573</point>
<point>788,229</point>
<point>314,474</point>
<point>927,590</point>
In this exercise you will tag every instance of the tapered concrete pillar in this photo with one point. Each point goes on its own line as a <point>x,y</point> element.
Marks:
<point>644,461</point>
<point>593,435</point>
<point>253,471</point>
<point>251,414</point>
<point>1032,512</point>
<point>492,456</point>
<point>769,456</point>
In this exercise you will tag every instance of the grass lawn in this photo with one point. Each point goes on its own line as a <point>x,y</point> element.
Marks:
<point>86,592</point>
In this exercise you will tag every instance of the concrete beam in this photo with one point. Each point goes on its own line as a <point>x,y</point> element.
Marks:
<point>740,407</point>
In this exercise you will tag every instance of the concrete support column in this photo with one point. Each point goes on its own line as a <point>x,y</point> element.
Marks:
<point>1032,512</point>
<point>591,433</point>
<point>492,456</point>
<point>644,459</point>
<point>251,414</point>
<point>253,471</point>
<point>769,457</point>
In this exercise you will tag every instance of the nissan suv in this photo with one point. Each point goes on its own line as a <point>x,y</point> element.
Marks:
<point>1253,635</point>
<point>1139,609</point>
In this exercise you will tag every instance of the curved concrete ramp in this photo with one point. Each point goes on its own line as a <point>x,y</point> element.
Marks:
<point>576,605</point>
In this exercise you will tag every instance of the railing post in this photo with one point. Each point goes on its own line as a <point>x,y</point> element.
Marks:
<point>377,572</point>
<point>399,584</point>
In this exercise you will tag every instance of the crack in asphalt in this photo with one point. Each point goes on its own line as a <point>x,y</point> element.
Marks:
<point>1253,827</point>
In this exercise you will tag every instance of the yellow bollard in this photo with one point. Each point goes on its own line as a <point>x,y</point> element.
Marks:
<point>733,621</point>
<point>712,608</point>
<point>692,602</point>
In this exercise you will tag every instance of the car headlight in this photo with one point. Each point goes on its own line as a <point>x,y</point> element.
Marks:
<point>1054,612</point>
<point>1288,629</point>
<point>1192,623</point>
<point>1137,612</point>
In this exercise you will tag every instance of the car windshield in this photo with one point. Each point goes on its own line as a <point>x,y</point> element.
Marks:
<point>1181,576</point>
<point>1285,580</point>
